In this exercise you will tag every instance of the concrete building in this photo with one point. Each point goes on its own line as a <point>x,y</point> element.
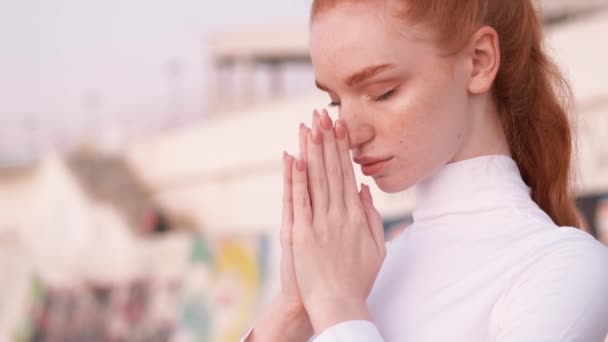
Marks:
<point>225,172</point>
<point>576,47</point>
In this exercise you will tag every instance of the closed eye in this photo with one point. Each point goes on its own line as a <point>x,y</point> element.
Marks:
<point>386,95</point>
<point>382,97</point>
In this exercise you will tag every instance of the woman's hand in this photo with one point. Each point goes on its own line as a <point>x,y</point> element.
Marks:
<point>338,242</point>
<point>290,294</point>
<point>286,318</point>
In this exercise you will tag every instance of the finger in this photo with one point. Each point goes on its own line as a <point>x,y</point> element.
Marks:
<point>287,221</point>
<point>303,136</point>
<point>287,217</point>
<point>302,211</point>
<point>316,169</point>
<point>304,131</point>
<point>331,158</point>
<point>374,220</point>
<point>351,194</point>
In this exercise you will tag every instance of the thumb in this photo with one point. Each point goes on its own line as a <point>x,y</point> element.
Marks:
<point>374,220</point>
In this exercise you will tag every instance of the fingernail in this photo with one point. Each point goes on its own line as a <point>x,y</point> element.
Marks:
<point>304,131</point>
<point>315,117</point>
<point>339,130</point>
<point>366,193</point>
<point>325,121</point>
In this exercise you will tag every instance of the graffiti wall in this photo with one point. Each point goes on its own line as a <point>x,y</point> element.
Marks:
<point>209,294</point>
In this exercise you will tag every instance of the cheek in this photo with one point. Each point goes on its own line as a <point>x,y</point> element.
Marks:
<point>415,118</point>
<point>424,127</point>
<point>443,104</point>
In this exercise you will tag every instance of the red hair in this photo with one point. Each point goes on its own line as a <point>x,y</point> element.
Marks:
<point>530,93</point>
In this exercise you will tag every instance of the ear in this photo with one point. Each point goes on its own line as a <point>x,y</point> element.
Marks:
<point>484,51</point>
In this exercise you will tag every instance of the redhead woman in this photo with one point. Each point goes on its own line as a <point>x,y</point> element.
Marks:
<point>458,99</point>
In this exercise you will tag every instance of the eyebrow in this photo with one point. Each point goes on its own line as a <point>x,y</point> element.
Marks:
<point>360,76</point>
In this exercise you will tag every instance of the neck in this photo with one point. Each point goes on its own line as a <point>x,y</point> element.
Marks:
<point>472,187</point>
<point>486,134</point>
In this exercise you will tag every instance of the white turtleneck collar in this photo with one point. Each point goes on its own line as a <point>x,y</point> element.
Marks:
<point>471,186</point>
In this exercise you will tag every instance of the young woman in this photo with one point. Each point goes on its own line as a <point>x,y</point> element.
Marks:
<point>457,98</point>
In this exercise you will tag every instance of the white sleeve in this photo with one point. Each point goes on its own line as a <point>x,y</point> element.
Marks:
<point>351,331</point>
<point>355,331</point>
<point>563,299</point>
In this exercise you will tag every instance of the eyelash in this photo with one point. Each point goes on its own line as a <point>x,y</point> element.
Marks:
<point>385,96</point>
<point>382,97</point>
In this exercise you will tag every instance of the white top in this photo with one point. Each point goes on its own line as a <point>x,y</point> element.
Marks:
<point>482,262</point>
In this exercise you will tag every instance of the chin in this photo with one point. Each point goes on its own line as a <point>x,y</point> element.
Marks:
<point>391,185</point>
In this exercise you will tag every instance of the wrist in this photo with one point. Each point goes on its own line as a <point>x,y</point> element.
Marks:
<point>283,320</point>
<point>297,324</point>
<point>289,307</point>
<point>327,313</point>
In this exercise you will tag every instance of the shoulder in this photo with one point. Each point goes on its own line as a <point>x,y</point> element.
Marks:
<point>566,251</point>
<point>562,292</point>
<point>565,243</point>
<point>568,268</point>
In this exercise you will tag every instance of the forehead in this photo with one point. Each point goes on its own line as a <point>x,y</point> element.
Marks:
<point>355,35</point>
<point>348,27</point>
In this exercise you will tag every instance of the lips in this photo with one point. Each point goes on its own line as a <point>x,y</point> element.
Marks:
<point>364,160</point>
<point>371,166</point>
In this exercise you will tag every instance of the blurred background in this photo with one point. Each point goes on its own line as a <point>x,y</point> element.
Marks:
<point>140,159</point>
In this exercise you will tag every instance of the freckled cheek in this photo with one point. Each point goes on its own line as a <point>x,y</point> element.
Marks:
<point>413,135</point>
<point>408,120</point>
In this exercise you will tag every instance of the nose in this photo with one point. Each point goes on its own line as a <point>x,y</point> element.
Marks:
<point>359,130</point>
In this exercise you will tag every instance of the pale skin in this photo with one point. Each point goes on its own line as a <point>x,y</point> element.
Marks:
<point>420,111</point>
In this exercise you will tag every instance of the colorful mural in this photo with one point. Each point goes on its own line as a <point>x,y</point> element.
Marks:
<point>213,299</point>
<point>222,289</point>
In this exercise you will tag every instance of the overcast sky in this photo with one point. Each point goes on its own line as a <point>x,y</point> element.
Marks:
<point>53,53</point>
<point>56,54</point>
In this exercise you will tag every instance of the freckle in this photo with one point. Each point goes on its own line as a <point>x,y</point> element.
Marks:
<point>400,142</point>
